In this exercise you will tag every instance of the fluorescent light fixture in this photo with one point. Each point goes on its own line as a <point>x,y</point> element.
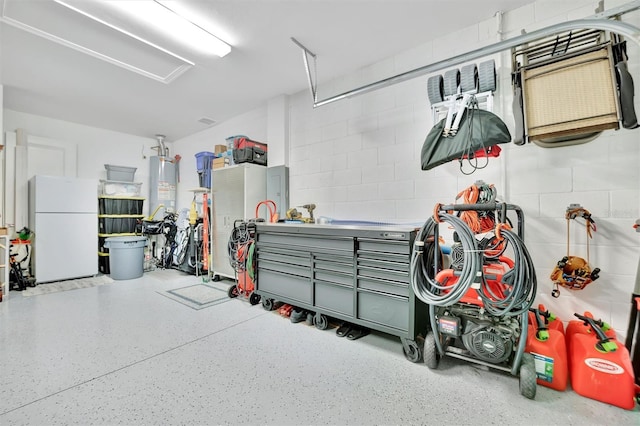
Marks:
<point>161,16</point>
<point>107,42</point>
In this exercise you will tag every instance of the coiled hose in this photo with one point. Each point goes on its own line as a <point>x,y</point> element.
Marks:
<point>521,279</point>
<point>238,242</point>
<point>423,282</point>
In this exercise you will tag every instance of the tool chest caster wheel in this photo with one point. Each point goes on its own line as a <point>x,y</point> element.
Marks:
<point>254,299</point>
<point>412,351</point>
<point>527,379</point>
<point>320,321</point>
<point>233,291</point>
<point>268,304</point>
<point>430,351</point>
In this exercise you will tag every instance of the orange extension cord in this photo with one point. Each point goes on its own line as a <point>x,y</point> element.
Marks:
<point>477,223</point>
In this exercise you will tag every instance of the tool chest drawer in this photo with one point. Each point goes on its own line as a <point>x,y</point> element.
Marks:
<point>308,242</point>
<point>384,246</point>
<point>383,309</point>
<point>337,266</point>
<point>384,274</point>
<point>334,277</point>
<point>384,286</point>
<point>285,268</point>
<point>295,258</point>
<point>291,286</point>
<point>334,297</point>
<point>383,261</point>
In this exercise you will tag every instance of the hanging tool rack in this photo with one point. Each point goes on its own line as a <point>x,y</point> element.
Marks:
<point>599,21</point>
<point>457,89</point>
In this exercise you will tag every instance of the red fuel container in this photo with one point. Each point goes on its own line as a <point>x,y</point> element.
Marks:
<point>549,350</point>
<point>582,327</point>
<point>552,322</point>
<point>601,368</point>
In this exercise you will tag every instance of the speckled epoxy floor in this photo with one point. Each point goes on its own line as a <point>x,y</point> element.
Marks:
<point>124,354</point>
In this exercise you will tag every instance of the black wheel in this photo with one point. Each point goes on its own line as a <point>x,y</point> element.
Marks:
<point>320,321</point>
<point>268,304</point>
<point>430,351</point>
<point>216,278</point>
<point>414,353</point>
<point>254,299</point>
<point>233,291</point>
<point>527,380</point>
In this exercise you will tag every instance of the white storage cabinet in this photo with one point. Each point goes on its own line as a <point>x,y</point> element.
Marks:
<point>235,191</point>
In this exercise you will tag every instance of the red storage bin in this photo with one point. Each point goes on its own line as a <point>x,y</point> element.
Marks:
<point>246,150</point>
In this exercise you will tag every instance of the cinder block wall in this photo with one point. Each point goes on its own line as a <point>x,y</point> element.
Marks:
<point>359,158</point>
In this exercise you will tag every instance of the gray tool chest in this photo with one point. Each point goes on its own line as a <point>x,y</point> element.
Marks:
<point>358,274</point>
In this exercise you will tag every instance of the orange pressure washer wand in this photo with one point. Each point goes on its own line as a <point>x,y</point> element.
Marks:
<point>205,231</point>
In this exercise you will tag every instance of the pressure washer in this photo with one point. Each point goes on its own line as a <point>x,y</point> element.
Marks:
<point>479,306</point>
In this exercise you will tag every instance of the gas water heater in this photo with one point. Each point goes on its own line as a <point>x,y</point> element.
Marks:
<point>162,189</point>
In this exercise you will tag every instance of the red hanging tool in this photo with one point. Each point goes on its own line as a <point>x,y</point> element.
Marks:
<point>205,231</point>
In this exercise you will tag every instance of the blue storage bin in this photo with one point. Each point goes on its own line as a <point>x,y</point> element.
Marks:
<point>204,159</point>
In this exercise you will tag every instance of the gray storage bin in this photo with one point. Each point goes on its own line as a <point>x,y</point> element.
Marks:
<point>126,257</point>
<point>120,173</point>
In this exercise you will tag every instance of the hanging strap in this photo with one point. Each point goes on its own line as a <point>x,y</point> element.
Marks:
<point>590,225</point>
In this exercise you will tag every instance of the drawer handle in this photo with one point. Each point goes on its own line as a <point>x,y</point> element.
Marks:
<point>378,293</point>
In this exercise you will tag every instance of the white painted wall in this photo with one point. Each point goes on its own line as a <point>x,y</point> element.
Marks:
<point>359,158</point>
<point>96,147</point>
<point>278,131</point>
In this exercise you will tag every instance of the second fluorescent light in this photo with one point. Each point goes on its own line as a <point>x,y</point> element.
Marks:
<point>160,16</point>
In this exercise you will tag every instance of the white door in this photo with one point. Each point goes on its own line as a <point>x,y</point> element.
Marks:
<point>25,156</point>
<point>51,157</point>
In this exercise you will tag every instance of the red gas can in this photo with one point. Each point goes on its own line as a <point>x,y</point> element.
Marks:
<point>551,321</point>
<point>582,327</point>
<point>550,353</point>
<point>601,368</point>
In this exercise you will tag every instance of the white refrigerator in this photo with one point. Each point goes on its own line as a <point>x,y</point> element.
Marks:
<point>63,214</point>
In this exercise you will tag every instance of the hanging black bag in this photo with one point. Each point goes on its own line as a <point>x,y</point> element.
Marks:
<point>477,132</point>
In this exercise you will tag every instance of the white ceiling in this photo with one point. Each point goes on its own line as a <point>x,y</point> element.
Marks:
<point>47,78</point>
